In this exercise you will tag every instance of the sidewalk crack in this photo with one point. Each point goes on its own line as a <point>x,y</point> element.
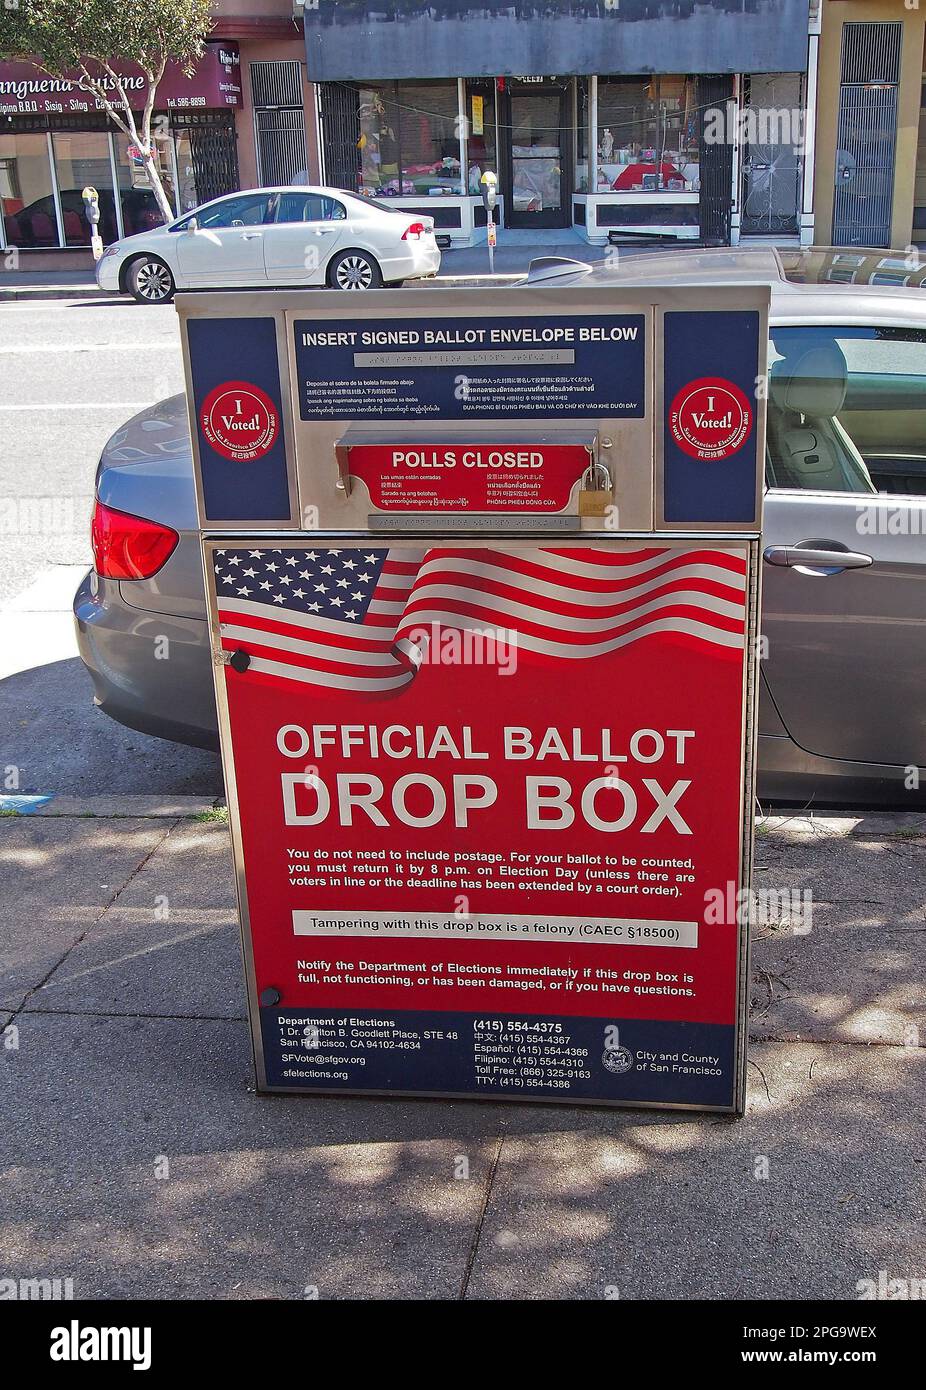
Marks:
<point>20,1008</point>
<point>477,1234</point>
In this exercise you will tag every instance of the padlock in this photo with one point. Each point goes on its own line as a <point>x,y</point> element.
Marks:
<point>596,492</point>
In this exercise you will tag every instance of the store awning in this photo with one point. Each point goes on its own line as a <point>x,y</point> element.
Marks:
<point>25,90</point>
<point>357,39</point>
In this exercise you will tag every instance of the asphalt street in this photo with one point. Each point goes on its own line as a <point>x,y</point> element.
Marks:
<point>71,372</point>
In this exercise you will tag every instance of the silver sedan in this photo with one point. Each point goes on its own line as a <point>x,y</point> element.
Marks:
<point>842,715</point>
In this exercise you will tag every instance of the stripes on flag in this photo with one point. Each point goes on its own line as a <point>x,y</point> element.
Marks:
<point>359,619</point>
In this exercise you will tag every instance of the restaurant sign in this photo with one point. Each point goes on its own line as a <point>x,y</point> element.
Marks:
<point>215,82</point>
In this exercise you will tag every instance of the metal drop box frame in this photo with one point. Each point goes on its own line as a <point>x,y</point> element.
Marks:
<point>312,498</point>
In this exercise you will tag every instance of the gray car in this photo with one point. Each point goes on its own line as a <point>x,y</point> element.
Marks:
<point>842,714</point>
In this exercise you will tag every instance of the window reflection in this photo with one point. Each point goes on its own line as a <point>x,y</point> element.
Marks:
<point>26,197</point>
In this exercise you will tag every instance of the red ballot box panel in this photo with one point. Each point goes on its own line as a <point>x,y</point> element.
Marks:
<point>489,808</point>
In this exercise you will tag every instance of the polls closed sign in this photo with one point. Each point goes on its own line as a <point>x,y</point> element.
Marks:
<point>490,814</point>
<point>518,476</point>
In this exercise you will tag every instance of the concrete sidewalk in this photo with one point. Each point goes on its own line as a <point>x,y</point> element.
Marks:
<point>31,286</point>
<point>136,1160</point>
<point>516,250</point>
<point>512,258</point>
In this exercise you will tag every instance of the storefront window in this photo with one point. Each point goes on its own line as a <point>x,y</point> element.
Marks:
<point>409,139</point>
<point>82,159</point>
<point>482,144</point>
<point>186,173</point>
<point>196,164</point>
<point>140,211</point>
<point>379,142</point>
<point>648,135</point>
<point>26,197</point>
<point>429,137</point>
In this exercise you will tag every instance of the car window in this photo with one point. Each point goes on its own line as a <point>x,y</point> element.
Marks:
<point>248,211</point>
<point>309,207</point>
<point>368,202</point>
<point>847,409</point>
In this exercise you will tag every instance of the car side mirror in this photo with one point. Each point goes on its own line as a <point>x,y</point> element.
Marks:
<point>192,225</point>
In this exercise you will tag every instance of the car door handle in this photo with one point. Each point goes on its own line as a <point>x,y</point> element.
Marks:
<point>252,236</point>
<point>816,557</point>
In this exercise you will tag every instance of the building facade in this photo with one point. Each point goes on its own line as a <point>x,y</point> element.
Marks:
<point>55,141</point>
<point>797,121</point>
<point>564,103</point>
<point>244,117</point>
<point>870,164</point>
<point>275,123</point>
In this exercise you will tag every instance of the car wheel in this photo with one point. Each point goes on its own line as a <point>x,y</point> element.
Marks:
<point>150,281</point>
<point>355,270</point>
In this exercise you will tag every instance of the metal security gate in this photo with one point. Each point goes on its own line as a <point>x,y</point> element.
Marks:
<point>772,153</point>
<point>213,152</point>
<point>339,109</point>
<point>281,148</point>
<point>279,123</point>
<point>714,93</point>
<point>867,134</point>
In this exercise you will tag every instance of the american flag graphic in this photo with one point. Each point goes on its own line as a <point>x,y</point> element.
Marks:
<point>353,619</point>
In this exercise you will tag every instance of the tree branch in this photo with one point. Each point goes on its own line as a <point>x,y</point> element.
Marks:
<point>130,127</point>
<point>96,89</point>
<point>153,81</point>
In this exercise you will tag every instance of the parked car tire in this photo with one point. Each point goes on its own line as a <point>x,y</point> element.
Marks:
<point>150,281</point>
<point>354,270</point>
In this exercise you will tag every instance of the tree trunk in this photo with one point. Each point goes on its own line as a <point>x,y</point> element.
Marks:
<point>124,118</point>
<point>157,189</point>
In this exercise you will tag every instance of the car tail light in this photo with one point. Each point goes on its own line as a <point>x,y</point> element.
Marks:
<point>128,547</point>
<point>416,230</point>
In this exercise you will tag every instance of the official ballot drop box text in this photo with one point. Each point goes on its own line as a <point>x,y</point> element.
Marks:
<point>481,569</point>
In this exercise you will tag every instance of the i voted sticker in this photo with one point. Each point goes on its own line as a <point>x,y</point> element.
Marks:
<point>240,421</point>
<point>710,418</point>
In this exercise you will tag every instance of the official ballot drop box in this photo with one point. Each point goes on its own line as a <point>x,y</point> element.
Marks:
<point>481,570</point>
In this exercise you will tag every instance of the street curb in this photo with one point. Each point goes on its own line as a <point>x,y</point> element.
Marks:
<point>833,825</point>
<point>473,278</point>
<point>792,826</point>
<point>122,807</point>
<point>25,293</point>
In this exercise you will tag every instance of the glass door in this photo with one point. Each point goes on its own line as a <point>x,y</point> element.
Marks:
<point>537,191</point>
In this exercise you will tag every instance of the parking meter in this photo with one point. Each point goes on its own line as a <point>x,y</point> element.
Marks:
<point>489,184</point>
<point>481,573</point>
<point>92,211</point>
